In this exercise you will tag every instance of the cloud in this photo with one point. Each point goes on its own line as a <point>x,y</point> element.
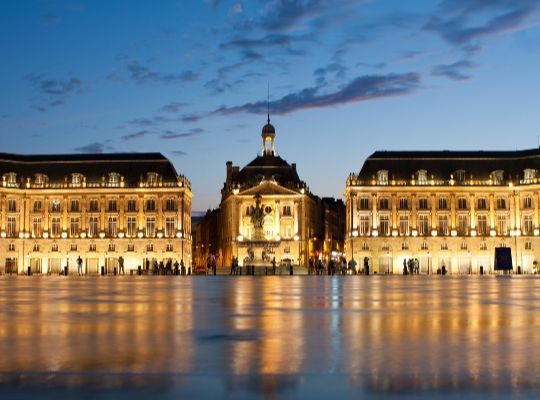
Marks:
<point>462,21</point>
<point>179,153</point>
<point>137,135</point>
<point>53,92</point>
<point>281,41</point>
<point>337,69</point>
<point>363,88</point>
<point>173,107</point>
<point>453,71</point>
<point>181,135</point>
<point>141,74</point>
<point>95,147</point>
<point>152,121</point>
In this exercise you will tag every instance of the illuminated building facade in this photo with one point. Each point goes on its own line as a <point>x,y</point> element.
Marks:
<point>55,208</point>
<point>444,208</point>
<point>268,212</point>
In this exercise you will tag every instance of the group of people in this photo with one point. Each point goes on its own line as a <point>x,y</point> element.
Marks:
<point>167,267</point>
<point>339,266</point>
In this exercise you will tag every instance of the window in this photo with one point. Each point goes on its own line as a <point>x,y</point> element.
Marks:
<point>286,211</point>
<point>365,246</point>
<point>382,177</point>
<point>39,180</point>
<point>528,245</point>
<point>463,225</point>
<point>11,179</point>
<point>54,247</point>
<point>74,227</point>
<point>404,246</point>
<point>74,206</point>
<point>443,225</point>
<point>56,205</point>
<point>92,247</point>
<point>132,205</point>
<point>112,205</point>
<point>529,175</point>
<point>421,176</point>
<point>37,228</point>
<point>481,203</point>
<point>443,203</point>
<point>464,245</point>
<point>501,203</point>
<point>112,227</point>
<point>444,245</point>
<point>404,203</point>
<point>114,179</point>
<point>481,226</point>
<point>403,225</point>
<point>131,247</point>
<point>527,225</point>
<point>37,206</point>
<point>248,211</point>
<point>169,247</point>
<point>150,226</point>
<point>93,205</point>
<point>73,247</point>
<point>93,226</point>
<point>55,227</point>
<point>384,203</point>
<point>483,246</point>
<point>527,202</point>
<point>363,227</point>
<point>501,225</point>
<point>151,178</point>
<point>12,205</point>
<point>11,247</point>
<point>384,225</point>
<point>170,227</point>
<point>498,177</point>
<point>460,176</point>
<point>76,180</point>
<point>423,204</point>
<point>35,247</point>
<point>11,230</point>
<point>364,203</point>
<point>112,247</point>
<point>462,203</point>
<point>150,205</point>
<point>131,226</point>
<point>150,247</point>
<point>424,245</point>
<point>170,205</point>
<point>423,225</point>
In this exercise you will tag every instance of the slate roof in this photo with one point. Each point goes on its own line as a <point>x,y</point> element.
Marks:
<point>441,164</point>
<point>57,166</point>
<point>268,166</point>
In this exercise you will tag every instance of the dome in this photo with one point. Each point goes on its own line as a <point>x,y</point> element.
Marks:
<point>268,128</point>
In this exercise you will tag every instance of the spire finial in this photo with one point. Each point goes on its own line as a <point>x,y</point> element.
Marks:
<point>268,101</point>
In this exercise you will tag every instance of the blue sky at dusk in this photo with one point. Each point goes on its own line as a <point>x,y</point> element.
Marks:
<point>189,79</point>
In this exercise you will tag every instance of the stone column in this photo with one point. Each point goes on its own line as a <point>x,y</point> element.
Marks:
<point>491,211</point>
<point>473,213</point>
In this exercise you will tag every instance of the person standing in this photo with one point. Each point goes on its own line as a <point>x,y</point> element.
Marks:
<point>182,267</point>
<point>121,266</point>
<point>79,266</point>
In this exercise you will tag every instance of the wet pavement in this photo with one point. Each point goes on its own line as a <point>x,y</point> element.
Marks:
<point>269,337</point>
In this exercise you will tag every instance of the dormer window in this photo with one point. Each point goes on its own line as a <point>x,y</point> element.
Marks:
<point>382,177</point>
<point>151,179</point>
<point>10,179</point>
<point>76,180</point>
<point>529,175</point>
<point>497,177</point>
<point>114,179</point>
<point>460,176</point>
<point>421,177</point>
<point>39,180</point>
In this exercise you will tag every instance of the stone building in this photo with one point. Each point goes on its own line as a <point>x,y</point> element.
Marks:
<point>444,208</point>
<point>55,208</point>
<point>267,212</point>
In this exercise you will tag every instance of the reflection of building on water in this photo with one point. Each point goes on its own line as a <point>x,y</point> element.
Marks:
<point>446,209</point>
<point>267,212</point>
<point>55,208</point>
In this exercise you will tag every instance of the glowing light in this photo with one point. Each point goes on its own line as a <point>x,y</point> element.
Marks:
<point>492,233</point>
<point>536,232</point>
<point>102,234</point>
<point>434,233</point>
<point>64,235</point>
<point>394,232</point>
<point>355,232</point>
<point>453,232</point>
<point>374,233</point>
<point>83,235</point>
<point>473,232</point>
<point>414,233</point>
<point>140,234</point>
<point>296,238</point>
<point>121,235</point>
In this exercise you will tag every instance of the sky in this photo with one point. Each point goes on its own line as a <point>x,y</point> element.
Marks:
<point>344,78</point>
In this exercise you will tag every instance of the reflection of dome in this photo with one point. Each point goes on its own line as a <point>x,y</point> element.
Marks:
<point>268,128</point>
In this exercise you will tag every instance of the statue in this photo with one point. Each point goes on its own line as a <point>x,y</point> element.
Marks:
<point>257,213</point>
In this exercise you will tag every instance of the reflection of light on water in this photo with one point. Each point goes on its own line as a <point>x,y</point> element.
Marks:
<point>385,334</point>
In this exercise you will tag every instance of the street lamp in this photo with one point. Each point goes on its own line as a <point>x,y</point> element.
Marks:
<point>297,239</point>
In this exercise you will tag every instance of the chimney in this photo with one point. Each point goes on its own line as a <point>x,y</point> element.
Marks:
<point>229,170</point>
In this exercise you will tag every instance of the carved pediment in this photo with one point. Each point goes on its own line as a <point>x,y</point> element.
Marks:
<point>268,188</point>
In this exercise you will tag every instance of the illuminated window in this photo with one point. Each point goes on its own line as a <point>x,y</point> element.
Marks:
<point>423,204</point>
<point>384,225</point>
<point>529,175</point>
<point>421,177</point>
<point>54,247</point>
<point>11,247</point>
<point>169,247</point>
<point>37,228</point>
<point>74,206</point>
<point>501,203</point>
<point>481,203</point>
<point>363,203</point>
<point>363,226</point>
<point>286,211</point>
<point>76,180</point>
<point>112,247</point>
<point>37,206</point>
<point>35,247</point>
<point>170,205</point>
<point>463,225</point>
<point>74,227</point>
<point>498,177</point>
<point>501,225</point>
<point>39,180</point>
<point>443,203</point>
<point>112,227</point>
<point>131,226</point>
<point>93,225</point>
<point>93,205</point>
<point>384,203</point>
<point>382,177</point>
<point>11,228</point>
<point>170,227</point>
<point>56,206</point>
<point>132,205</point>
<point>481,226</point>
<point>114,179</point>
<point>404,203</point>
<point>404,225</point>
<point>11,179</point>
<point>151,179</point>
<point>130,247</point>
<point>443,225</point>
<point>424,245</point>
<point>92,247</point>
<point>423,225</point>
<point>527,202</point>
<point>73,247</point>
<point>12,205</point>
<point>460,177</point>
<point>150,205</point>
<point>150,226</point>
<point>112,205</point>
<point>527,225</point>
<point>55,227</point>
<point>462,203</point>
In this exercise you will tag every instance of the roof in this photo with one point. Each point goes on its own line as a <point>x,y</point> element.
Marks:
<point>441,164</point>
<point>93,166</point>
<point>269,167</point>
